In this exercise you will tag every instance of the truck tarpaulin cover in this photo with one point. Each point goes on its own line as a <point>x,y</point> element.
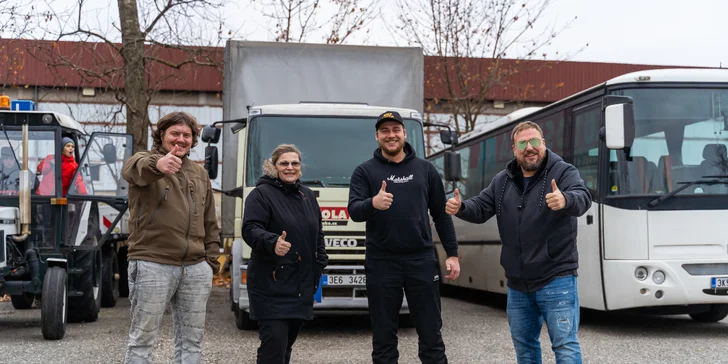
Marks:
<point>261,73</point>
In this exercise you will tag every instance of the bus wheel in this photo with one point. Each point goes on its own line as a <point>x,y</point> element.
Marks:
<point>53,306</point>
<point>715,314</point>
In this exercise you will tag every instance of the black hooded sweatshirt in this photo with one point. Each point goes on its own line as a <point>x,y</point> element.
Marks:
<point>538,243</point>
<point>283,287</point>
<point>402,231</point>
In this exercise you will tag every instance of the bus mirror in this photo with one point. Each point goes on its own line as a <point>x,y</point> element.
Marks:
<point>452,166</point>
<point>211,161</point>
<point>619,126</point>
<point>448,137</point>
<point>109,153</point>
<point>210,134</point>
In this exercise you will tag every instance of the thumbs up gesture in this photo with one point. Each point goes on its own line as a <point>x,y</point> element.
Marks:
<point>453,205</point>
<point>282,246</point>
<point>555,199</point>
<point>383,200</point>
<point>170,163</point>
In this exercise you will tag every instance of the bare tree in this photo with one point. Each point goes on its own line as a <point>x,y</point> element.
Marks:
<point>334,20</point>
<point>160,38</point>
<point>478,46</point>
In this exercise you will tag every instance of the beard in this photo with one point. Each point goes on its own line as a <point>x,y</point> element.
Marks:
<point>391,152</point>
<point>530,166</point>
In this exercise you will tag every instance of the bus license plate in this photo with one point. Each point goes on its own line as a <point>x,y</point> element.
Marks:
<point>345,280</point>
<point>719,282</point>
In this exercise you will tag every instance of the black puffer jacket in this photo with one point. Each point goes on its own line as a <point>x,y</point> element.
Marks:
<point>283,287</point>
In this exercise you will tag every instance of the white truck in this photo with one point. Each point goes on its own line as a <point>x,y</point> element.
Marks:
<point>324,99</point>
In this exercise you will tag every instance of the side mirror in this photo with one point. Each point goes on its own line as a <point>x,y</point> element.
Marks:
<point>210,134</point>
<point>109,153</point>
<point>449,137</point>
<point>211,161</point>
<point>452,171</point>
<point>619,126</point>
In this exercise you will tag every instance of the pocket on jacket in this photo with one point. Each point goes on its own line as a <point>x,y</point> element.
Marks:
<point>406,234</point>
<point>286,279</point>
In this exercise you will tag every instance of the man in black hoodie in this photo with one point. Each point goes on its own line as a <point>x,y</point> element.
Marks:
<point>536,200</point>
<point>393,192</point>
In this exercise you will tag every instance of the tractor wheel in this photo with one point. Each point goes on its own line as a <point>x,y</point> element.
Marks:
<point>109,280</point>
<point>86,307</point>
<point>123,272</point>
<point>23,301</point>
<point>54,304</point>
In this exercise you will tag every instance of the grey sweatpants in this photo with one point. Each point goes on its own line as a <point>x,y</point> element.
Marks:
<point>151,287</point>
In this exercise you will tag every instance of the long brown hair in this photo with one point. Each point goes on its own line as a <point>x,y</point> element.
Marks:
<point>172,119</point>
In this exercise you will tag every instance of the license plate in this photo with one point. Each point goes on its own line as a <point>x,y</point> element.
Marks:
<point>719,282</point>
<point>345,280</point>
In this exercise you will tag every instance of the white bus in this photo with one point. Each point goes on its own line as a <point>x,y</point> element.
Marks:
<point>651,240</point>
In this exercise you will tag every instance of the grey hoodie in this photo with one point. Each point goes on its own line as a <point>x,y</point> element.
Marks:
<point>538,243</point>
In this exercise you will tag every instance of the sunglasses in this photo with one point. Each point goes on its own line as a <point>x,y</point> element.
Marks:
<point>535,142</point>
<point>286,164</point>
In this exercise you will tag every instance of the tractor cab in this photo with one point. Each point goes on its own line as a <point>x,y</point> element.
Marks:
<point>58,184</point>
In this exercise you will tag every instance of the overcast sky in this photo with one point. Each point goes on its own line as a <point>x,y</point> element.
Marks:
<point>661,32</point>
<point>664,32</point>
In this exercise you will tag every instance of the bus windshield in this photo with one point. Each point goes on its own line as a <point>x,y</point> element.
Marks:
<point>331,147</point>
<point>680,138</point>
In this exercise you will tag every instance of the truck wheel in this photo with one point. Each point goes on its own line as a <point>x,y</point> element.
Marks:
<point>243,321</point>
<point>86,307</point>
<point>109,280</point>
<point>53,306</point>
<point>22,302</point>
<point>123,272</point>
<point>715,314</point>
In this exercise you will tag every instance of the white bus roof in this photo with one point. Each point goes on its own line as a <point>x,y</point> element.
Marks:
<point>486,127</point>
<point>63,120</point>
<point>329,109</point>
<point>673,75</point>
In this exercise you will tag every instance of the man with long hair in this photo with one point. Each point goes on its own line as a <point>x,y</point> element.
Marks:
<point>173,242</point>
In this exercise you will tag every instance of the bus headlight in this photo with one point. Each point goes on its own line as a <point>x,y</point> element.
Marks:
<point>658,277</point>
<point>641,273</point>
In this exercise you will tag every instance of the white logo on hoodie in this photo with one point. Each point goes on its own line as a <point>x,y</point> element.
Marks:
<point>406,179</point>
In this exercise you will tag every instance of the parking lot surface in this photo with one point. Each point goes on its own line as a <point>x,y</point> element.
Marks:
<point>475,330</point>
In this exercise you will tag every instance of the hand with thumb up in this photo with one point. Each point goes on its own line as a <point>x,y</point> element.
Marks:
<point>383,200</point>
<point>555,199</point>
<point>453,205</point>
<point>282,246</point>
<point>170,163</point>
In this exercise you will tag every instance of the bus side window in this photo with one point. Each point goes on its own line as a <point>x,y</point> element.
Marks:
<point>586,145</point>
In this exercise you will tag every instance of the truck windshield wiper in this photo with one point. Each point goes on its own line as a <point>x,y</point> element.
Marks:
<point>686,184</point>
<point>313,182</point>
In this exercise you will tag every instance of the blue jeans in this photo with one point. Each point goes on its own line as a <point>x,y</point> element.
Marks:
<point>557,304</point>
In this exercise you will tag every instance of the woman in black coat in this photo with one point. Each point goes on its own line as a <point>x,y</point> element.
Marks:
<point>282,225</point>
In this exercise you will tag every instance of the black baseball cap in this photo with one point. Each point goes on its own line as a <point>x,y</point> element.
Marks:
<point>389,116</point>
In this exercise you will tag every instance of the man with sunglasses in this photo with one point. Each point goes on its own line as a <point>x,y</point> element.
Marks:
<point>536,200</point>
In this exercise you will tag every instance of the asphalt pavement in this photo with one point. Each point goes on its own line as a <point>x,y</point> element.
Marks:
<point>475,330</point>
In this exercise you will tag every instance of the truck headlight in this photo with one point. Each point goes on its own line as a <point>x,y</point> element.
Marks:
<point>658,277</point>
<point>641,273</point>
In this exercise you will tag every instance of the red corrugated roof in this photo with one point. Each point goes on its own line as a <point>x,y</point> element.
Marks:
<point>24,63</point>
<point>535,81</point>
